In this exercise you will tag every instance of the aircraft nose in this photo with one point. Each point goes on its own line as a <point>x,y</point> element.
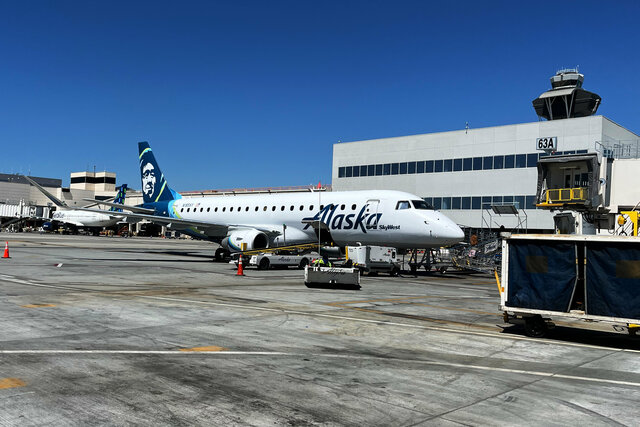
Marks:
<point>450,232</point>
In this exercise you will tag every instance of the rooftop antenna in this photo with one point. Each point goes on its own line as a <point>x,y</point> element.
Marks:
<point>466,127</point>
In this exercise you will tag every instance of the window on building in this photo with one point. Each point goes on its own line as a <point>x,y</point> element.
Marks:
<point>428,166</point>
<point>476,202</point>
<point>395,168</point>
<point>419,167</point>
<point>498,162</point>
<point>487,163</point>
<point>580,152</point>
<point>411,167</point>
<point>497,200</point>
<point>467,164</point>
<point>371,170</point>
<point>486,202</point>
<point>446,203</point>
<point>355,171</point>
<point>477,163</point>
<point>520,202</point>
<point>466,202</point>
<point>457,165</point>
<point>437,203</point>
<point>403,168</point>
<point>447,165</point>
<point>521,160</point>
<point>509,161</point>
<point>387,169</point>
<point>455,203</point>
<point>347,172</point>
<point>530,202</point>
<point>507,200</point>
<point>363,171</point>
<point>437,165</point>
<point>532,160</point>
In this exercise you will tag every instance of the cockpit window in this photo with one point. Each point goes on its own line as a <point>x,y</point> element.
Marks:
<point>421,204</point>
<point>403,204</point>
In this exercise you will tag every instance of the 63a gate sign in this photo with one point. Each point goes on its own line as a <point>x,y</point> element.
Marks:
<point>549,143</point>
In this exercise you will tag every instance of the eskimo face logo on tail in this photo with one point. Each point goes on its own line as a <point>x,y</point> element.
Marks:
<point>149,180</point>
<point>363,220</point>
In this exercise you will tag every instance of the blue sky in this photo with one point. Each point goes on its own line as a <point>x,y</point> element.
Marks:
<point>255,93</point>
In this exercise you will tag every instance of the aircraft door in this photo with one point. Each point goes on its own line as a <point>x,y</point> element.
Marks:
<point>373,209</point>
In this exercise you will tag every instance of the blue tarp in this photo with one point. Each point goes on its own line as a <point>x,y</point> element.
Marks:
<point>613,280</point>
<point>542,274</point>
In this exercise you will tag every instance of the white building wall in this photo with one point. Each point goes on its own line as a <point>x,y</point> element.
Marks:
<point>573,135</point>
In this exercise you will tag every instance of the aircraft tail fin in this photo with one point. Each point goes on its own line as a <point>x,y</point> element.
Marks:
<point>154,184</point>
<point>120,196</point>
<point>50,196</point>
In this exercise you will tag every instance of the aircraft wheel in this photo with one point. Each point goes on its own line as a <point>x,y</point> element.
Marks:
<point>264,264</point>
<point>303,263</point>
<point>395,272</point>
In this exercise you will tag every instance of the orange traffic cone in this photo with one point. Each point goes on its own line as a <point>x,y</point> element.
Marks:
<point>240,270</point>
<point>6,250</point>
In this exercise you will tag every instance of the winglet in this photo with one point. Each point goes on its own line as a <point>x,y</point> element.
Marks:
<point>50,196</point>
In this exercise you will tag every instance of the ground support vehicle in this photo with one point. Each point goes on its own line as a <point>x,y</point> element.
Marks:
<point>576,277</point>
<point>332,277</point>
<point>373,259</point>
<point>270,260</point>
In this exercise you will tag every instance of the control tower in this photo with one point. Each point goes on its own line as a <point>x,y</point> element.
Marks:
<point>566,99</point>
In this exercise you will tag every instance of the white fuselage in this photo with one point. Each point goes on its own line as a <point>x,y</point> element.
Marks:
<point>84,218</point>
<point>353,217</point>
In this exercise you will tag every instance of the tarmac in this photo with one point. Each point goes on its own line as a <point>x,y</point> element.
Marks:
<point>117,331</point>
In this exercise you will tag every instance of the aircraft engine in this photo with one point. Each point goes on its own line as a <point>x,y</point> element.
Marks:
<point>253,238</point>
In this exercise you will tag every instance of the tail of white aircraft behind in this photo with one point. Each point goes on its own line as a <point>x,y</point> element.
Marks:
<point>154,185</point>
<point>120,196</point>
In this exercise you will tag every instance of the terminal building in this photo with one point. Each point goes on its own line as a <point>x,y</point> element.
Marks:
<point>487,177</point>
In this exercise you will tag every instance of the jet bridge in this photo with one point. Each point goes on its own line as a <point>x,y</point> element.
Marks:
<point>593,191</point>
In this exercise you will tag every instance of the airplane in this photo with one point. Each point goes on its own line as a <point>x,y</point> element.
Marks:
<point>82,217</point>
<point>249,222</point>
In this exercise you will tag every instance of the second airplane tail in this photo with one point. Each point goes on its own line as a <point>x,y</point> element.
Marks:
<point>154,184</point>
<point>122,194</point>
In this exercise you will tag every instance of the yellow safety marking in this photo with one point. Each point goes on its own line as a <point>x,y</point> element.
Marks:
<point>208,348</point>
<point>11,383</point>
<point>37,305</point>
<point>500,288</point>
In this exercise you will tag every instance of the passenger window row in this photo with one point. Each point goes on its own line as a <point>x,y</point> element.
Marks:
<point>480,202</point>
<point>257,208</point>
<point>508,161</point>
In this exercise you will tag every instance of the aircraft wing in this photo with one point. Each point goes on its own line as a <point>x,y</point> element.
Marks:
<point>118,205</point>
<point>210,229</point>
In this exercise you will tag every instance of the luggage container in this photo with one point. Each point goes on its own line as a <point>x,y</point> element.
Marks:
<point>580,277</point>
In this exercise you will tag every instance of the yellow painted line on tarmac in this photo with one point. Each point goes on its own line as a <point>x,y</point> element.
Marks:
<point>11,383</point>
<point>37,305</point>
<point>207,348</point>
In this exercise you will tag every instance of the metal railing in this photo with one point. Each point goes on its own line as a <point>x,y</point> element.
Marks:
<point>567,195</point>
